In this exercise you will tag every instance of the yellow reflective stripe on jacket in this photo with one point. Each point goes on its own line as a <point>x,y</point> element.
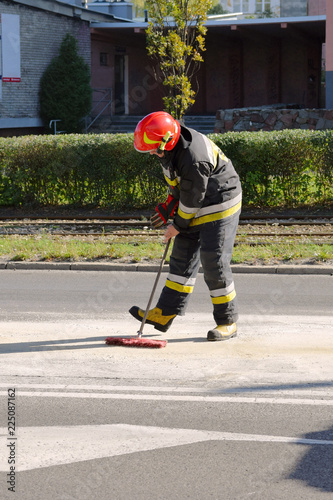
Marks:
<point>214,152</point>
<point>185,215</point>
<point>178,287</point>
<point>217,153</point>
<point>186,212</point>
<point>220,207</point>
<point>224,298</point>
<point>173,182</point>
<point>216,216</point>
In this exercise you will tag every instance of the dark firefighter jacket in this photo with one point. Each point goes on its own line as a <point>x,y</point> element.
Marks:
<point>203,179</point>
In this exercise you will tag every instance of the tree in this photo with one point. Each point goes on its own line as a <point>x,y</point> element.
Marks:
<point>65,91</point>
<point>139,7</point>
<point>216,9</point>
<point>176,39</point>
<point>266,13</point>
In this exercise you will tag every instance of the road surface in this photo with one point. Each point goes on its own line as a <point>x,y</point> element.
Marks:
<point>250,418</point>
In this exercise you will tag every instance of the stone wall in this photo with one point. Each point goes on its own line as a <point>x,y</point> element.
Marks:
<point>41,33</point>
<point>267,119</point>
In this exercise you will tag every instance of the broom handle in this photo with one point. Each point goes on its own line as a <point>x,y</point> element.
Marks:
<point>154,287</point>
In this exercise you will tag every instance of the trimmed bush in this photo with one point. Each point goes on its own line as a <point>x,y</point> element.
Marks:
<point>286,168</point>
<point>281,168</point>
<point>65,92</point>
<point>99,170</point>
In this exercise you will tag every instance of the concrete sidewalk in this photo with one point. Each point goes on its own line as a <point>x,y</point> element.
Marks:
<point>269,349</point>
<point>135,267</point>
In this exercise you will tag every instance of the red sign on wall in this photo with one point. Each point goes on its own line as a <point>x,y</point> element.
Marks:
<point>11,79</point>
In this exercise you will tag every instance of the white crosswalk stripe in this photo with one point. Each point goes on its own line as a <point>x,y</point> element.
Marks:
<point>49,446</point>
<point>46,446</point>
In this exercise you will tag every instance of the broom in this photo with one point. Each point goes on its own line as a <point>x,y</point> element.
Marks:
<point>138,341</point>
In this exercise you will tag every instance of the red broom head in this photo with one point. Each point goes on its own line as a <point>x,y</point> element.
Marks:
<point>135,342</point>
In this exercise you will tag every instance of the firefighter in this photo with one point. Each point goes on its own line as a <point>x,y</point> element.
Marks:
<point>204,201</point>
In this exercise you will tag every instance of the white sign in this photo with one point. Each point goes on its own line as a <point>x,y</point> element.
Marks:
<point>11,54</point>
<point>0,63</point>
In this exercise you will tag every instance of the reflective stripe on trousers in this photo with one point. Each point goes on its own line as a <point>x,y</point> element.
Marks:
<point>212,244</point>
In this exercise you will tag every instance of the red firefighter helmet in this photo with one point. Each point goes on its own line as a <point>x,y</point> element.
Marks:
<point>158,130</point>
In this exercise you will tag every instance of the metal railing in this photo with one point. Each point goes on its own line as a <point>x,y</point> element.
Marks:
<point>54,123</point>
<point>101,104</point>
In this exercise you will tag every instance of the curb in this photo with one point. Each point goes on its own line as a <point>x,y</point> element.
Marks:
<point>93,266</point>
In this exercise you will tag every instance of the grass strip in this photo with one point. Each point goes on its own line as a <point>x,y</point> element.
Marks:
<point>91,248</point>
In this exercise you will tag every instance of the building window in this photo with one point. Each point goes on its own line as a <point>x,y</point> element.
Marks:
<point>241,6</point>
<point>262,6</point>
<point>103,59</point>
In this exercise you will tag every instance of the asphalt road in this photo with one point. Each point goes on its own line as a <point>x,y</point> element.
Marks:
<point>48,294</point>
<point>248,418</point>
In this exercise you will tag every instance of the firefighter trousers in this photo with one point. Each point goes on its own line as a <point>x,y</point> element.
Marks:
<point>212,246</point>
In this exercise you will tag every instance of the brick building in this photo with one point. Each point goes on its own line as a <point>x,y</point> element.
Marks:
<point>32,31</point>
<point>248,62</point>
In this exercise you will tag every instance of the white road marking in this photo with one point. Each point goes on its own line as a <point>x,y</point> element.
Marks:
<point>323,389</point>
<point>169,397</point>
<point>120,388</point>
<point>42,446</point>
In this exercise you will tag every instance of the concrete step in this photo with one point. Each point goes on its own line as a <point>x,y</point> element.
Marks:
<point>124,124</point>
<point>202,123</point>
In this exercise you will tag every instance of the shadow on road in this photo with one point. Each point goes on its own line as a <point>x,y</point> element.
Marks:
<point>275,387</point>
<point>316,467</point>
<point>52,345</point>
<point>72,344</point>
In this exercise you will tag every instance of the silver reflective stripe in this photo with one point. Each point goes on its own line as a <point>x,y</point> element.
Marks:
<point>221,207</point>
<point>166,172</point>
<point>187,210</point>
<point>181,279</point>
<point>222,291</point>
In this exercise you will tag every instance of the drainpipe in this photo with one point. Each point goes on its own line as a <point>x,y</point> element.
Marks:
<point>329,55</point>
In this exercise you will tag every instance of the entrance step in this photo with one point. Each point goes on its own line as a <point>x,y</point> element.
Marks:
<point>202,123</point>
<point>125,124</point>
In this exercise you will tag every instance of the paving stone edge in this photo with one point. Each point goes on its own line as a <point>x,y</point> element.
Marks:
<point>93,266</point>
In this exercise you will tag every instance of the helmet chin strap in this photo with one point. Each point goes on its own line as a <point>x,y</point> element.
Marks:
<point>167,138</point>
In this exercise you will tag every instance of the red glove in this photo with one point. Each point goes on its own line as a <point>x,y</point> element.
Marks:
<point>164,211</point>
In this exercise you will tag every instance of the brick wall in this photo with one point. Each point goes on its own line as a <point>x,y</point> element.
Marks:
<point>316,7</point>
<point>41,34</point>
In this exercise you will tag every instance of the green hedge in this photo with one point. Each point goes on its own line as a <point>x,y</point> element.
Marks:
<point>286,168</point>
<point>99,170</point>
<point>282,168</point>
